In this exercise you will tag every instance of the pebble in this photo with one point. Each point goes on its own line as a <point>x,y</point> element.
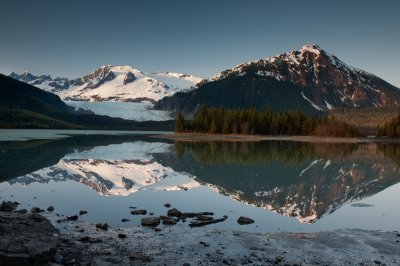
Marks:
<point>121,235</point>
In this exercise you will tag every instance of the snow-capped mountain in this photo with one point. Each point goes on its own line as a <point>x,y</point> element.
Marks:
<point>307,79</point>
<point>114,83</point>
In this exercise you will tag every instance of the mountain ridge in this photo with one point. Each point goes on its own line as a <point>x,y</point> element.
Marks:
<point>310,77</point>
<point>113,83</point>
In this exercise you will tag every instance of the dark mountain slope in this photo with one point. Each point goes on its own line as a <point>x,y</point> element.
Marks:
<point>240,92</point>
<point>19,95</point>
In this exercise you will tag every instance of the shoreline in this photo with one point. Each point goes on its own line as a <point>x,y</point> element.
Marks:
<point>81,243</point>
<point>184,246</point>
<point>204,137</point>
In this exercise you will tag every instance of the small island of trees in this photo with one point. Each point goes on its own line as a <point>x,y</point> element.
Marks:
<point>253,122</point>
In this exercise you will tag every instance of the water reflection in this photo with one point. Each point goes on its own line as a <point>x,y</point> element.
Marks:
<point>18,158</point>
<point>301,180</point>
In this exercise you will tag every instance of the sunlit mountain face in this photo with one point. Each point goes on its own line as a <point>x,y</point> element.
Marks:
<point>301,180</point>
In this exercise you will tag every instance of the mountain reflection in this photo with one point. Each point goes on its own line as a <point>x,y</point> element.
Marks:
<point>302,180</point>
<point>18,158</point>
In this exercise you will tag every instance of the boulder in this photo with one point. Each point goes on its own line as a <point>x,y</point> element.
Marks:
<point>174,212</point>
<point>150,221</point>
<point>168,220</point>
<point>8,206</point>
<point>26,239</point>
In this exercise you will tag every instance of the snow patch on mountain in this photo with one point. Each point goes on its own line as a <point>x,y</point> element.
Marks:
<point>311,102</point>
<point>270,74</point>
<point>184,82</point>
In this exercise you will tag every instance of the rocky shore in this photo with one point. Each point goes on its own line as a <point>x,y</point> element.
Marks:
<point>31,239</point>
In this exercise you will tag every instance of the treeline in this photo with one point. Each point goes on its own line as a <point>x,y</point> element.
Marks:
<point>251,121</point>
<point>368,119</point>
<point>391,129</point>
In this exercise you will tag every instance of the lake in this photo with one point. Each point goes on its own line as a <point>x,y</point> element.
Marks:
<point>282,185</point>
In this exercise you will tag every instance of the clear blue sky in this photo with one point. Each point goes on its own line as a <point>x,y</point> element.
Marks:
<point>72,38</point>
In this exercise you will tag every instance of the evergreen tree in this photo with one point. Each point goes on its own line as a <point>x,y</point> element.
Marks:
<point>226,124</point>
<point>213,127</point>
<point>180,123</point>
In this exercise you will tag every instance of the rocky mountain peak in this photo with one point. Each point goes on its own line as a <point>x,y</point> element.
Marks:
<point>311,48</point>
<point>129,78</point>
<point>317,79</point>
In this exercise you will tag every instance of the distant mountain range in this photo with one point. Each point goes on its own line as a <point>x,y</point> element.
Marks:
<point>310,79</point>
<point>114,83</point>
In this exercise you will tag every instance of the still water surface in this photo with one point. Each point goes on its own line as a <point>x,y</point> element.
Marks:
<point>282,185</point>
